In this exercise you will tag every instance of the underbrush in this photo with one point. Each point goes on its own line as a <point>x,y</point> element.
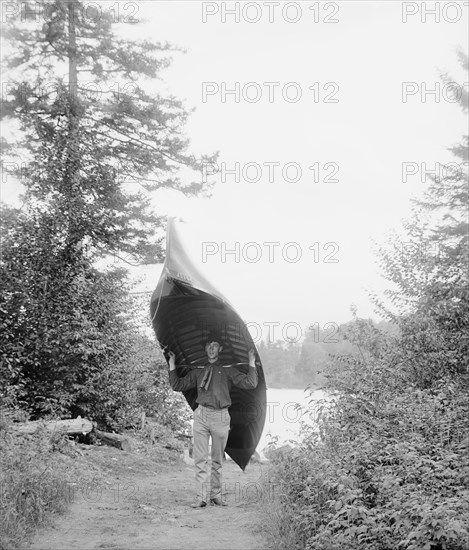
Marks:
<point>42,474</point>
<point>157,441</point>
<point>383,472</point>
<point>39,475</point>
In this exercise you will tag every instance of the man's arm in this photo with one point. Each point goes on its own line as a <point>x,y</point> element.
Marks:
<point>180,384</point>
<point>246,381</point>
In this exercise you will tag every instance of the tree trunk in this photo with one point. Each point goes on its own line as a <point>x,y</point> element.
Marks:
<point>115,440</point>
<point>74,426</point>
<point>72,179</point>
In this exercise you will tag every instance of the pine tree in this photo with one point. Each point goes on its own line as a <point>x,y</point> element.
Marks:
<point>86,124</point>
<point>89,127</point>
<point>429,268</point>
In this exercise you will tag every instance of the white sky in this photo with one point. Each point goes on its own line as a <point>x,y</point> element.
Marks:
<point>368,54</point>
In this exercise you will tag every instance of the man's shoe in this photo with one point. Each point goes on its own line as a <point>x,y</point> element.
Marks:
<point>199,504</point>
<point>218,502</point>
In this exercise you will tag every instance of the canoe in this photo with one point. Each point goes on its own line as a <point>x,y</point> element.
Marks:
<point>185,307</point>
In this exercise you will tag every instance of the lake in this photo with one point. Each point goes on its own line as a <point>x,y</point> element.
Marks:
<point>283,417</point>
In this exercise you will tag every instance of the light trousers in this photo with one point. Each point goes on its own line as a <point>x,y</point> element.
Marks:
<point>215,424</point>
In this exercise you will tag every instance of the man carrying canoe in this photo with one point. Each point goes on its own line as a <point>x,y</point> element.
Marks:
<point>211,418</point>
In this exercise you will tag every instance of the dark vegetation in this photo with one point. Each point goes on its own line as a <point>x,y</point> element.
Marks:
<point>88,143</point>
<point>69,330</point>
<point>386,466</point>
<point>36,481</point>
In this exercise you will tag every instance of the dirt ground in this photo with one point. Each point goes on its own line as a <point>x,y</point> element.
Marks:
<point>142,504</point>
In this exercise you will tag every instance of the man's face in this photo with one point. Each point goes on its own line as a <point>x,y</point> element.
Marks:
<point>213,349</point>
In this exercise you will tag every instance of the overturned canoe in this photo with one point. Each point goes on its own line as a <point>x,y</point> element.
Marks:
<point>185,307</point>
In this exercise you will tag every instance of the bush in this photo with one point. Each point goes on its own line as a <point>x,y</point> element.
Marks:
<point>36,476</point>
<point>74,341</point>
<point>122,391</point>
<point>386,465</point>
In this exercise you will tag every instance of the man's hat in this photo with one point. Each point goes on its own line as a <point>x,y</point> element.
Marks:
<point>213,336</point>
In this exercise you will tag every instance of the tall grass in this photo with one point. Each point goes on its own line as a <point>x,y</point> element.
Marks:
<point>277,521</point>
<point>36,476</point>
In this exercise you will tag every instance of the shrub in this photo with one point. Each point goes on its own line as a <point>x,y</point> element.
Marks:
<point>36,473</point>
<point>386,465</point>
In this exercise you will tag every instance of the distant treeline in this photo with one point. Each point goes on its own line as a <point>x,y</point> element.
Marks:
<point>305,363</point>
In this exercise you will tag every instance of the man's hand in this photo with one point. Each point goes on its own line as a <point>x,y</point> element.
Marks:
<point>172,360</point>
<point>252,358</point>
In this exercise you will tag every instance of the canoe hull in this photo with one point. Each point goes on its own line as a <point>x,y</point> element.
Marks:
<point>182,317</point>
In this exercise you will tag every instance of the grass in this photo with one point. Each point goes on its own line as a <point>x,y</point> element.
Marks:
<point>276,518</point>
<point>40,474</point>
<point>37,473</point>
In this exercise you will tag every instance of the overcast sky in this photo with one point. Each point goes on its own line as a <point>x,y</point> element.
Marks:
<point>362,62</point>
<point>344,139</point>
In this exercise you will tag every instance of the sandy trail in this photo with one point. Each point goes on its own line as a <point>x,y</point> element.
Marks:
<point>144,505</point>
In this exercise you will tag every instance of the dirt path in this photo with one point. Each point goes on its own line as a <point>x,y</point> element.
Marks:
<point>144,505</point>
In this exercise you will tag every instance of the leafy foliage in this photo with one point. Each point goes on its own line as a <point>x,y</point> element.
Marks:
<point>38,474</point>
<point>386,464</point>
<point>72,342</point>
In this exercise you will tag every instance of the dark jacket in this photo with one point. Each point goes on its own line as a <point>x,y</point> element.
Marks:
<point>222,380</point>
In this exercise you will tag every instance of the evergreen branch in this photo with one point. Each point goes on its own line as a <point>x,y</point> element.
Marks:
<point>148,145</point>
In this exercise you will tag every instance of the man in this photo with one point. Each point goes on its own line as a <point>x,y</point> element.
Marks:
<point>211,418</point>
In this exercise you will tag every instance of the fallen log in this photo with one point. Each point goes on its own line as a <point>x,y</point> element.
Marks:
<point>74,426</point>
<point>114,440</point>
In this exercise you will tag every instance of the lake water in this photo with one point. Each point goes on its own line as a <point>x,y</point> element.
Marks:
<point>283,418</point>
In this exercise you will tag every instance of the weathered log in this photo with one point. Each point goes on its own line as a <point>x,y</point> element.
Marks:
<point>73,426</point>
<point>115,440</point>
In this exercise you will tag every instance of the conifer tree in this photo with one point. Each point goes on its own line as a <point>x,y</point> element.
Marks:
<point>429,270</point>
<point>93,137</point>
<point>90,126</point>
